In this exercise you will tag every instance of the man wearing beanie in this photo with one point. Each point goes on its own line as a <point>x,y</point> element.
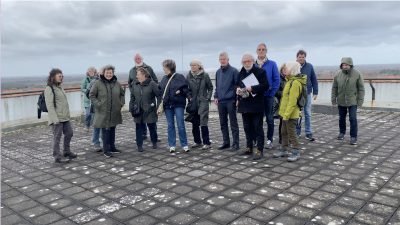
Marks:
<point>348,93</point>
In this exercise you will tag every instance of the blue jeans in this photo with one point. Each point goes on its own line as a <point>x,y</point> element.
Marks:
<point>170,114</point>
<point>269,116</point>
<point>96,136</point>
<point>352,118</point>
<point>307,117</point>
<point>88,117</point>
<point>139,132</point>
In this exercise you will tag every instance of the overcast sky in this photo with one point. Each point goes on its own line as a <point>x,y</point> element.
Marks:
<point>37,36</point>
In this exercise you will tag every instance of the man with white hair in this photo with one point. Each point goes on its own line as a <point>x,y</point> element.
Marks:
<point>132,80</point>
<point>226,80</point>
<point>251,104</point>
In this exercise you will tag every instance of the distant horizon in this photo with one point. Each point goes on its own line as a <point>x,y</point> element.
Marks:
<point>206,69</point>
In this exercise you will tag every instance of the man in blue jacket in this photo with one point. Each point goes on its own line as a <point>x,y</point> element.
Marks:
<point>312,93</point>
<point>274,80</point>
<point>226,81</point>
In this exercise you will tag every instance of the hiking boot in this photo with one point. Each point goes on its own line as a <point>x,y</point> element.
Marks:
<point>205,147</point>
<point>154,145</point>
<point>140,149</point>
<point>310,137</point>
<point>282,152</point>
<point>171,149</point>
<point>340,136</point>
<point>115,151</point>
<point>108,154</point>
<point>257,154</point>
<point>294,156</point>
<point>353,141</point>
<point>248,151</point>
<point>186,148</point>
<point>70,155</point>
<point>268,145</point>
<point>196,145</point>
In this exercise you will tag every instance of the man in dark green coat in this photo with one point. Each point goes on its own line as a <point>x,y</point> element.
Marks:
<point>348,93</point>
<point>108,98</point>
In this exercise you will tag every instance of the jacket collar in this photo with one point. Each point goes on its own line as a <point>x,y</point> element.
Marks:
<point>113,79</point>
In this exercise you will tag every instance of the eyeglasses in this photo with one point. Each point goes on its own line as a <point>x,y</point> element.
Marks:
<point>261,49</point>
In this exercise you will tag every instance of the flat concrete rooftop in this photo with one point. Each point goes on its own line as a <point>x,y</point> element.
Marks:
<point>332,183</point>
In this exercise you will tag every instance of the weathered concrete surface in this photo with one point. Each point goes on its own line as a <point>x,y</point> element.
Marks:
<point>333,183</point>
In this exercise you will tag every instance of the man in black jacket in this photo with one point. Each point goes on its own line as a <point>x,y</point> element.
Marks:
<point>251,104</point>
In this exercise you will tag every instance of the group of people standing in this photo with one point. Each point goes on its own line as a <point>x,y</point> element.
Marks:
<point>255,91</point>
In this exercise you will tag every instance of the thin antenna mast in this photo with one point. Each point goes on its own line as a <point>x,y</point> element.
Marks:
<point>182,46</point>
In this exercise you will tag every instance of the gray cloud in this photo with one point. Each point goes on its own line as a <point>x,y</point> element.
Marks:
<point>74,35</point>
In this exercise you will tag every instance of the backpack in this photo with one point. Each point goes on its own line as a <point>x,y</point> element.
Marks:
<point>302,99</point>
<point>42,103</point>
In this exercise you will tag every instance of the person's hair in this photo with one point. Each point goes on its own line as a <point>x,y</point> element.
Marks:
<point>197,62</point>
<point>108,67</point>
<point>91,69</point>
<point>144,71</point>
<point>170,64</point>
<point>282,67</point>
<point>293,67</point>
<point>225,54</point>
<point>301,52</point>
<point>263,44</point>
<point>247,55</point>
<point>53,72</point>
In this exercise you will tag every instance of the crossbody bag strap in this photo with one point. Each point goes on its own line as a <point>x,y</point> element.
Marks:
<point>166,86</point>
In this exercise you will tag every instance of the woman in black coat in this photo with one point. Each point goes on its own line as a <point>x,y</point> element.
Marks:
<point>144,98</point>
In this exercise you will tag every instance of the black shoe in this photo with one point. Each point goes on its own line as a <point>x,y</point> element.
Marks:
<point>70,155</point>
<point>154,145</point>
<point>310,137</point>
<point>257,154</point>
<point>58,160</point>
<point>353,141</point>
<point>99,150</point>
<point>340,136</point>
<point>248,151</point>
<point>115,151</point>
<point>224,146</point>
<point>234,148</point>
<point>140,149</point>
<point>108,154</point>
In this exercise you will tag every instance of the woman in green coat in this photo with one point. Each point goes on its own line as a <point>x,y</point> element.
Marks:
<point>108,97</point>
<point>201,88</point>
<point>144,96</point>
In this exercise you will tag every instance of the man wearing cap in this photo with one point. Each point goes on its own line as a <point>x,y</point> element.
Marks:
<point>348,94</point>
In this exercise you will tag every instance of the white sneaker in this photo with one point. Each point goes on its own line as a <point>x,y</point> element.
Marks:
<point>205,147</point>
<point>268,145</point>
<point>171,149</point>
<point>186,148</point>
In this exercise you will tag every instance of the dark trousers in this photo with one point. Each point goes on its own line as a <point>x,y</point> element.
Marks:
<point>253,128</point>
<point>280,130</point>
<point>205,135</point>
<point>59,129</point>
<point>139,132</point>
<point>269,116</point>
<point>352,118</point>
<point>226,109</point>
<point>108,139</point>
<point>289,135</point>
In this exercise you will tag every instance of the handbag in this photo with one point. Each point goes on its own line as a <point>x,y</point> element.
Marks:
<point>192,107</point>
<point>136,112</point>
<point>160,108</point>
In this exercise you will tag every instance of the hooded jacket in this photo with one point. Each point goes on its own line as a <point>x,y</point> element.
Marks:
<point>201,88</point>
<point>107,97</point>
<point>348,86</point>
<point>253,104</point>
<point>145,95</point>
<point>60,113</point>
<point>171,99</point>
<point>288,108</point>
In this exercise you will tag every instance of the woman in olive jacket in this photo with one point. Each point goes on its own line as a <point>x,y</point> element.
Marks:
<point>144,96</point>
<point>201,87</point>
<point>108,98</point>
